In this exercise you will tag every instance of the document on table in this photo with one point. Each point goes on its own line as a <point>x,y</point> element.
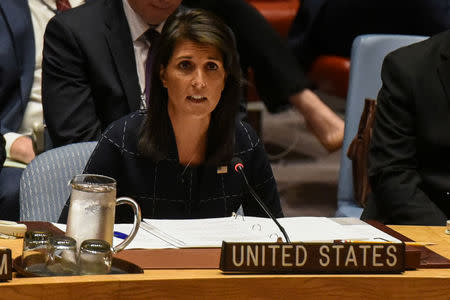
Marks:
<point>189,233</point>
<point>211,232</point>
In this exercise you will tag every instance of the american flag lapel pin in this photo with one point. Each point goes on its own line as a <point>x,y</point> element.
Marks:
<point>222,169</point>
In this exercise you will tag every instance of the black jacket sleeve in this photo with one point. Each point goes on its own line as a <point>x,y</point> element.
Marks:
<point>259,173</point>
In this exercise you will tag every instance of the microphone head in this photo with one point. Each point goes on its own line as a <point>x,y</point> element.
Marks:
<point>237,164</point>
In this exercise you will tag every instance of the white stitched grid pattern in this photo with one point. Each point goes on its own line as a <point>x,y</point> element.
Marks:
<point>123,149</point>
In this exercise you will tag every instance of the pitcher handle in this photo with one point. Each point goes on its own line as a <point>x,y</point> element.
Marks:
<point>136,222</point>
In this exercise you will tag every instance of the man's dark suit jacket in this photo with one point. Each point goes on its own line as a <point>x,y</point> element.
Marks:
<point>17,55</point>
<point>409,161</point>
<point>89,76</point>
<point>330,26</point>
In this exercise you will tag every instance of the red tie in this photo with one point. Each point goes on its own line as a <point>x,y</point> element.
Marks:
<point>62,5</point>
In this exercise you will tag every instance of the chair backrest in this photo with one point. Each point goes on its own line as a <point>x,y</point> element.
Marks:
<point>44,185</point>
<point>368,52</point>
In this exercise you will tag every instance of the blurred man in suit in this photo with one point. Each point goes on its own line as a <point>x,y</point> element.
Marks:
<point>409,165</point>
<point>22,25</point>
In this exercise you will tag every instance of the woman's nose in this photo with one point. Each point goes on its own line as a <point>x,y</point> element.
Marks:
<point>198,79</point>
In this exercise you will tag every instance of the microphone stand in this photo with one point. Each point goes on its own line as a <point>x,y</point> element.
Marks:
<point>239,169</point>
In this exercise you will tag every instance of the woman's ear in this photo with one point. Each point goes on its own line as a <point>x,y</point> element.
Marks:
<point>162,76</point>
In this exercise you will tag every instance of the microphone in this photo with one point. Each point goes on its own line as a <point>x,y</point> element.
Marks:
<point>238,166</point>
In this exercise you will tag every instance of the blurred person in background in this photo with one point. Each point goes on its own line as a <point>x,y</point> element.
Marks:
<point>22,25</point>
<point>409,165</point>
<point>330,26</point>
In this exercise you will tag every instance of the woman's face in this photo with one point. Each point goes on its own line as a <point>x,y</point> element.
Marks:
<point>194,79</point>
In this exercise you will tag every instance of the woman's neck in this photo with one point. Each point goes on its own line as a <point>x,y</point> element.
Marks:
<point>191,138</point>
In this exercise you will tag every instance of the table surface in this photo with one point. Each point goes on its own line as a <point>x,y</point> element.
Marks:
<point>182,284</point>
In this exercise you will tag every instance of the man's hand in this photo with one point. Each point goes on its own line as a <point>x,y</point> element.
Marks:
<point>22,150</point>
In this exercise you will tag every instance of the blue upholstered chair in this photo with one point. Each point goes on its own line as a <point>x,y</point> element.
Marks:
<point>368,52</point>
<point>44,185</point>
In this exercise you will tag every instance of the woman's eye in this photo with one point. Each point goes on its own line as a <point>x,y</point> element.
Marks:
<point>184,65</point>
<point>212,66</point>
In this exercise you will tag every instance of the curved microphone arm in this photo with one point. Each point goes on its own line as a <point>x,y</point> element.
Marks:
<point>238,166</point>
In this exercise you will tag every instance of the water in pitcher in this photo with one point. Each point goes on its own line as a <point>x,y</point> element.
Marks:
<point>91,213</point>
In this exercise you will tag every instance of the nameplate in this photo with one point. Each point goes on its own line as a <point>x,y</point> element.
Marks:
<point>303,258</point>
<point>5,264</point>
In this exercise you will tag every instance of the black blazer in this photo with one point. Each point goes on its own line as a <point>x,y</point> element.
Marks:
<point>89,76</point>
<point>409,161</point>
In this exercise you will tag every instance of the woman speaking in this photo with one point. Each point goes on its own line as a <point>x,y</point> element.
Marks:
<point>174,159</point>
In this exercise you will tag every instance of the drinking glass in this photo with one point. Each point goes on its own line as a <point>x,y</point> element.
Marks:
<point>95,257</point>
<point>62,256</point>
<point>34,253</point>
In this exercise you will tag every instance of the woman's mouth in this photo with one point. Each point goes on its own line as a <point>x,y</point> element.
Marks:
<point>196,98</point>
